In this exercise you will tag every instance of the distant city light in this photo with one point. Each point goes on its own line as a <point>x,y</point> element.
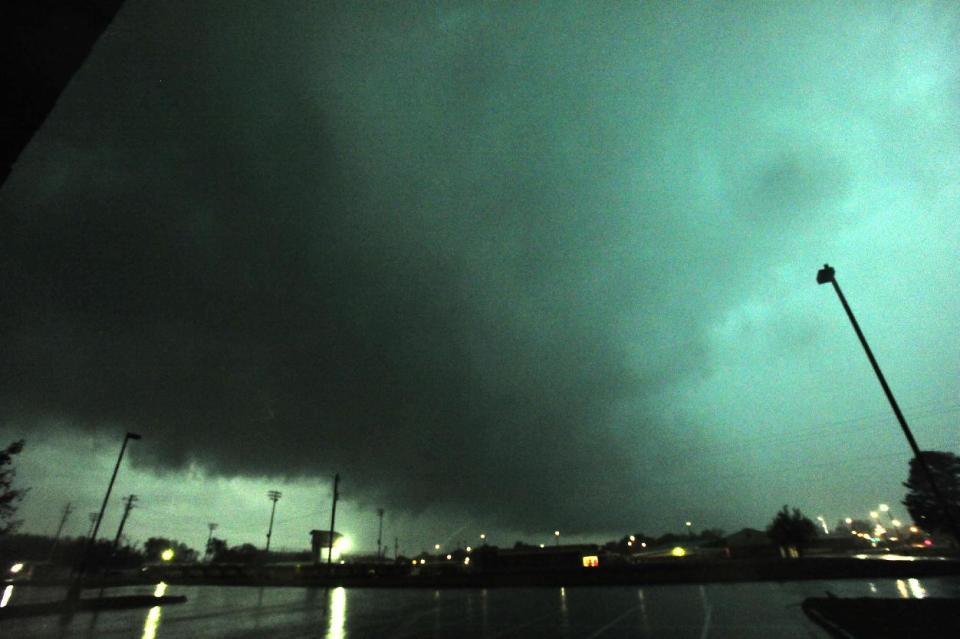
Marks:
<point>466,561</point>
<point>678,552</point>
<point>17,567</point>
<point>469,549</point>
<point>884,508</point>
<point>848,521</point>
<point>632,538</point>
<point>449,557</point>
<point>541,545</point>
<point>160,590</point>
<point>590,561</point>
<point>167,554</point>
<point>896,523</point>
<point>436,546</point>
<point>914,529</point>
<point>483,536</point>
<point>643,544</point>
<point>874,514</point>
<point>423,561</point>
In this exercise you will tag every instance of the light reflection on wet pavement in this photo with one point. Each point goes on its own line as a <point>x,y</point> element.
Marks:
<point>689,610</point>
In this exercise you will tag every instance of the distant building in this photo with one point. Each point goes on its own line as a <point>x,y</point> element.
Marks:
<point>320,542</point>
<point>750,542</point>
<point>546,558</point>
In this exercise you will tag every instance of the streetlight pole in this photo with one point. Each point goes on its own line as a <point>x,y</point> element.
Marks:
<point>74,592</point>
<point>274,496</point>
<point>556,535</point>
<point>827,274</point>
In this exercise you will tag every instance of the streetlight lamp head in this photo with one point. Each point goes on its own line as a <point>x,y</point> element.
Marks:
<point>884,507</point>
<point>825,274</point>
<point>133,436</point>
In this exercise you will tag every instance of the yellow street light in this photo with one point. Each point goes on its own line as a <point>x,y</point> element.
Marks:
<point>167,555</point>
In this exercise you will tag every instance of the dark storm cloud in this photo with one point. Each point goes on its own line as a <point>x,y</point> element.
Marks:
<point>457,254</point>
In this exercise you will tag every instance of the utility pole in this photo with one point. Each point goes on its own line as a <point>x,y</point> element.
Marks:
<point>211,526</point>
<point>93,522</point>
<point>380,534</point>
<point>127,507</point>
<point>63,520</point>
<point>827,274</point>
<point>274,496</point>
<point>333,517</point>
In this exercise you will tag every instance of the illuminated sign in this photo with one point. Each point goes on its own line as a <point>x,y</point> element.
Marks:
<point>591,561</point>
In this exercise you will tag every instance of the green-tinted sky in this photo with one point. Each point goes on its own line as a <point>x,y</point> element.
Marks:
<point>505,266</point>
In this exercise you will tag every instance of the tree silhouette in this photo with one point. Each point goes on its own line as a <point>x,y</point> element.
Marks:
<point>791,531</point>
<point>920,500</point>
<point>216,549</point>
<point>10,497</point>
<point>154,547</point>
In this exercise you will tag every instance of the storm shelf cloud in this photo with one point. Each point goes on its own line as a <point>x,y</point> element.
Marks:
<point>543,262</point>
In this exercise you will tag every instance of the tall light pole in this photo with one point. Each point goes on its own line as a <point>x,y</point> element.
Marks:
<point>827,274</point>
<point>74,593</point>
<point>689,525</point>
<point>210,527</point>
<point>380,534</point>
<point>333,519</point>
<point>93,522</point>
<point>274,496</point>
<point>556,536</point>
